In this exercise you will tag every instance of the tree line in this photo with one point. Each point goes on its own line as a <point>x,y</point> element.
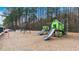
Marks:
<point>33,18</point>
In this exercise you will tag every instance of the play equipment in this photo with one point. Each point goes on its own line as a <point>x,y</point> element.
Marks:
<point>44,30</point>
<point>57,29</point>
<point>49,34</point>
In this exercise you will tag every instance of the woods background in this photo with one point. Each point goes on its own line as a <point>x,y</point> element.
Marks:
<point>33,18</point>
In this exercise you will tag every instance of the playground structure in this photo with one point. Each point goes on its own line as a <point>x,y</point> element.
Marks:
<point>57,29</point>
<point>44,30</point>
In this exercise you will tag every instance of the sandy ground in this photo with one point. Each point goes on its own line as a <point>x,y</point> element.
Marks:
<point>20,41</point>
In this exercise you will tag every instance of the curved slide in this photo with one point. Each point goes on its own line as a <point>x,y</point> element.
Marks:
<point>49,34</point>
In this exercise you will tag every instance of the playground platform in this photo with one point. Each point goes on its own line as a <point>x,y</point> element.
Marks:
<point>31,41</point>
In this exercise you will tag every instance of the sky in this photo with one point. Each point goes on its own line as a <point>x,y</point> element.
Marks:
<point>2,9</point>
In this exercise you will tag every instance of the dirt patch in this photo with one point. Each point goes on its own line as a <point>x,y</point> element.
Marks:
<point>32,41</point>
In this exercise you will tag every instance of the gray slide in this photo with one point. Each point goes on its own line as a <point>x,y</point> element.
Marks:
<point>42,32</point>
<point>49,34</point>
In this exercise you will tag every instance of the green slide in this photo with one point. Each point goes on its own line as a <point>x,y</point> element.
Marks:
<point>56,28</point>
